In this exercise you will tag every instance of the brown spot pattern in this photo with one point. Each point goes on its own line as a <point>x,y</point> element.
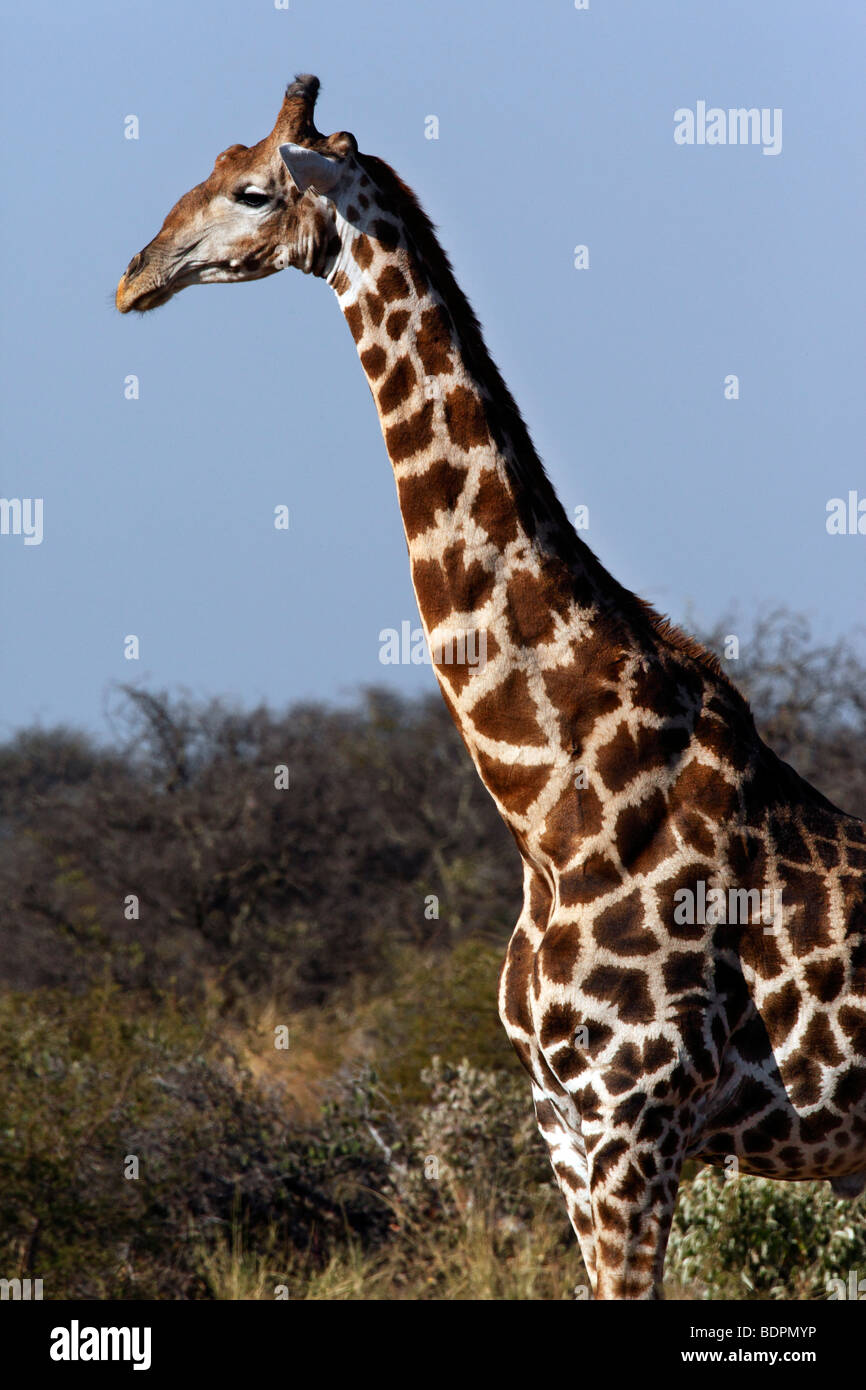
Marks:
<point>410,436</point>
<point>392,284</point>
<point>433,341</point>
<point>374,361</point>
<point>386,233</point>
<point>374,307</point>
<point>619,928</point>
<point>508,713</point>
<point>395,324</point>
<point>513,784</point>
<point>531,619</point>
<point>355,320</point>
<point>397,386</point>
<point>493,508</point>
<point>423,494</point>
<point>465,419</point>
<point>362,251</point>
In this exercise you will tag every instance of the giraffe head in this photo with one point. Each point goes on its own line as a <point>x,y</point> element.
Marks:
<point>260,210</point>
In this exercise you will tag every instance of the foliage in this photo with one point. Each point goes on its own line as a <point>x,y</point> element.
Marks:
<point>809,699</point>
<point>754,1238</point>
<point>239,883</point>
<point>90,1083</point>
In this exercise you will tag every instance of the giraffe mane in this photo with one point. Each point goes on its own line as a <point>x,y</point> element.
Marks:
<point>536,486</point>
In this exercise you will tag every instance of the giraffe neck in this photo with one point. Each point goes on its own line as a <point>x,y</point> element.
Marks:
<point>533,643</point>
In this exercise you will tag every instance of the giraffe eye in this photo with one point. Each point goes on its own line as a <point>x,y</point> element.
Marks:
<point>252,197</point>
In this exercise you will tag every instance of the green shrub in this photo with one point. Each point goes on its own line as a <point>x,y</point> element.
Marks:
<point>474,1145</point>
<point>90,1082</point>
<point>442,1005</point>
<point>755,1238</point>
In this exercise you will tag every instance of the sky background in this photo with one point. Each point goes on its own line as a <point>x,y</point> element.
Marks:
<point>555,128</point>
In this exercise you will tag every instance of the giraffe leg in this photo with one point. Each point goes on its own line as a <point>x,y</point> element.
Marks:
<point>633,1192</point>
<point>568,1159</point>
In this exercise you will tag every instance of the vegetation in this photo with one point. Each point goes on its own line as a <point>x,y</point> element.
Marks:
<point>248,1037</point>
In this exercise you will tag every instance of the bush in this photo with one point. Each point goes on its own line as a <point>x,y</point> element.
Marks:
<point>473,1146</point>
<point>304,890</point>
<point>755,1238</point>
<point>93,1081</point>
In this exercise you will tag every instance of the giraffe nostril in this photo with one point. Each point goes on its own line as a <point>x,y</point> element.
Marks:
<point>134,265</point>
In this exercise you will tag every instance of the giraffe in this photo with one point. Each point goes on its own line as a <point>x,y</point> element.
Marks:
<point>687,976</point>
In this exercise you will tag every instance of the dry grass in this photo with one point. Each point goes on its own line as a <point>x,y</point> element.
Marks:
<point>480,1261</point>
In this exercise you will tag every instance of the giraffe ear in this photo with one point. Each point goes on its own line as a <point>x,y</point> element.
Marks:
<point>309,169</point>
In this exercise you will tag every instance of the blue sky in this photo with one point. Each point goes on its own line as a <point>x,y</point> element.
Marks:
<point>555,129</point>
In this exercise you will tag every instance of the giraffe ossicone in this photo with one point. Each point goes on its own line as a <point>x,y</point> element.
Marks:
<point>625,764</point>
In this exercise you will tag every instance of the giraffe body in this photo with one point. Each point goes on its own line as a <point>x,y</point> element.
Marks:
<point>687,978</point>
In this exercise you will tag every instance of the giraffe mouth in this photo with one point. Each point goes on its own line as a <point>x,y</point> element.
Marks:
<point>141,301</point>
<point>140,298</point>
<point>138,293</point>
<point>152,278</point>
<point>131,298</point>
